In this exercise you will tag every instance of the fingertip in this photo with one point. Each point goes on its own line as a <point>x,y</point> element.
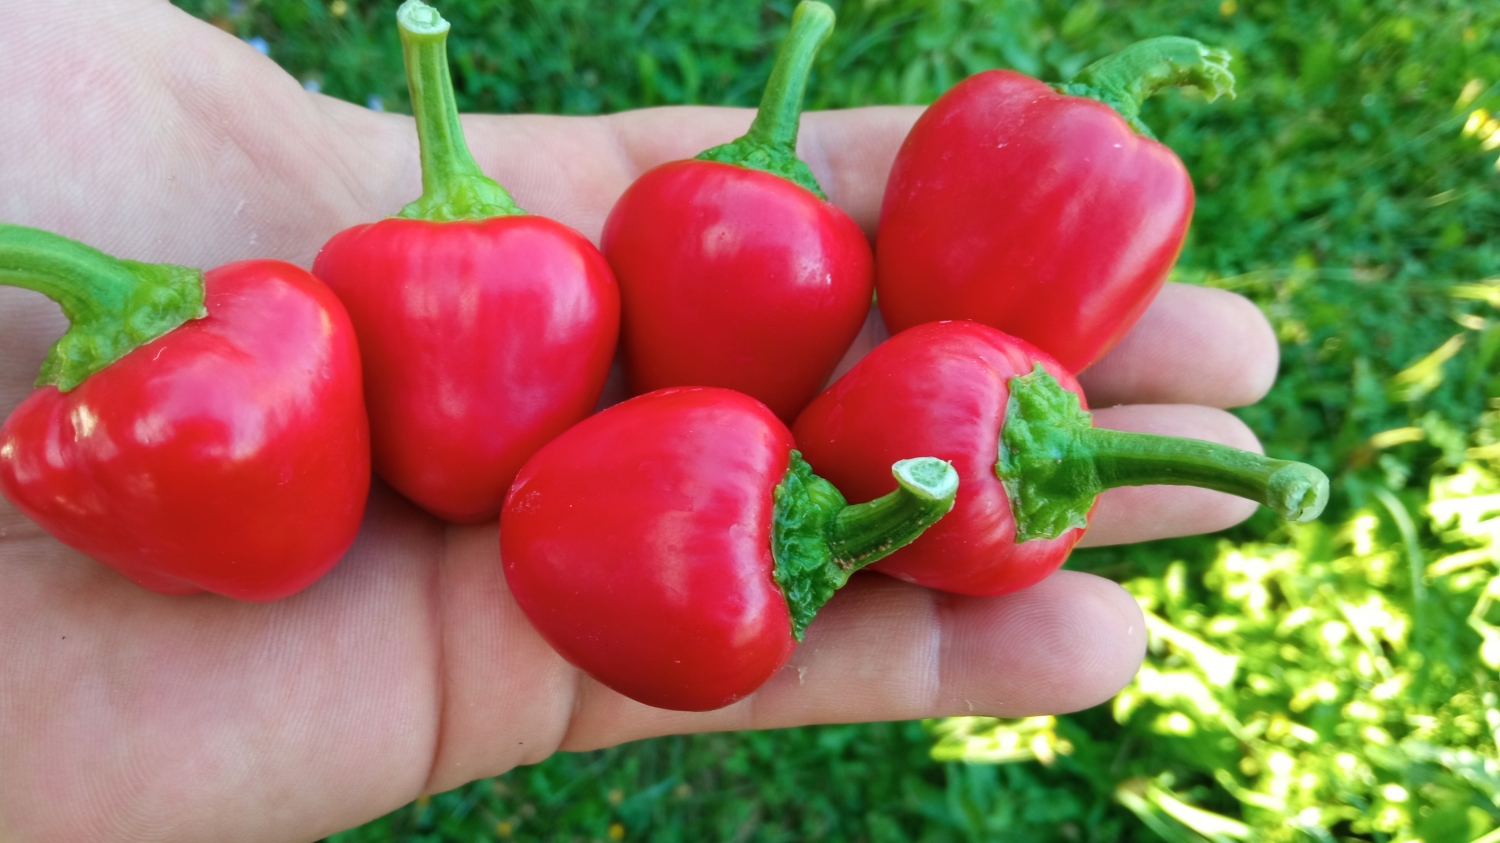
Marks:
<point>1076,638</point>
<point>1194,345</point>
<point>888,650</point>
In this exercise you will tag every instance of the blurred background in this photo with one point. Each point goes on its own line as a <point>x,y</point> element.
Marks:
<point>1326,682</point>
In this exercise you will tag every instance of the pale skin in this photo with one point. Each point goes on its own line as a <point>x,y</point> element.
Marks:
<point>126,715</point>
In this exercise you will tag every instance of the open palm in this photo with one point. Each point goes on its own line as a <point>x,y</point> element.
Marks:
<point>126,715</point>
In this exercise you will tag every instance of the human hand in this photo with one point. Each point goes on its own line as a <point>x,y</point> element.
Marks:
<point>127,715</point>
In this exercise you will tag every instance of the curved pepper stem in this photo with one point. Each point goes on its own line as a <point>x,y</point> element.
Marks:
<point>113,306</point>
<point>1054,463</point>
<point>1126,79</point>
<point>771,143</point>
<point>818,540</point>
<point>453,187</point>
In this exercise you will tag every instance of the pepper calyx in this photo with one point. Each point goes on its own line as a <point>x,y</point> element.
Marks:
<point>113,306</point>
<point>1054,463</point>
<point>755,154</point>
<point>1051,485</point>
<point>805,567</point>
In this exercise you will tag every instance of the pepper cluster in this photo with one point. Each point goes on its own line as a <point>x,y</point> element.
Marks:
<point>216,431</point>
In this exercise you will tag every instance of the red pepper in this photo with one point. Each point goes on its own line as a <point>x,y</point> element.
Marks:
<point>1049,213</point>
<point>675,547</point>
<point>734,268</point>
<point>1031,463</point>
<point>194,431</point>
<point>485,331</point>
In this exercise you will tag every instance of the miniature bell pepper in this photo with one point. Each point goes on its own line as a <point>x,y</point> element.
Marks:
<point>1047,212</point>
<point>194,431</point>
<point>734,268</point>
<point>1013,423</point>
<point>675,547</point>
<point>485,331</point>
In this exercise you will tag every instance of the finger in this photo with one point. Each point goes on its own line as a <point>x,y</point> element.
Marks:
<point>652,136</point>
<point>1194,345</point>
<point>887,650</point>
<point>567,168</point>
<point>851,153</point>
<point>571,169</point>
<point>880,650</point>
<point>1142,513</point>
<point>507,695</point>
<point>574,168</point>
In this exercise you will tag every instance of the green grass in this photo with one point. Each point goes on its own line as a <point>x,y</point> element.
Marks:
<point>1341,192</point>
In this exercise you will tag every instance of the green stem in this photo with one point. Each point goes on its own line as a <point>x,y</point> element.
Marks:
<point>1054,463</point>
<point>453,187</point>
<point>1123,458</point>
<point>1128,78</point>
<point>771,143</point>
<point>819,541</point>
<point>780,114</point>
<point>113,306</point>
<point>870,531</point>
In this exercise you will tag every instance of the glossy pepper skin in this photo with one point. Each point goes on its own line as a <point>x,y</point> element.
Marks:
<point>482,340</point>
<point>227,454</point>
<point>1012,421</point>
<point>643,544</point>
<point>734,269</point>
<point>485,331</point>
<point>1047,212</point>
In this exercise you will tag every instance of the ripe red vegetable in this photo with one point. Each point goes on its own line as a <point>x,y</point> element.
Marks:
<point>1047,212</point>
<point>485,331</point>
<point>675,547</point>
<point>194,431</point>
<point>1031,463</point>
<point>734,268</point>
